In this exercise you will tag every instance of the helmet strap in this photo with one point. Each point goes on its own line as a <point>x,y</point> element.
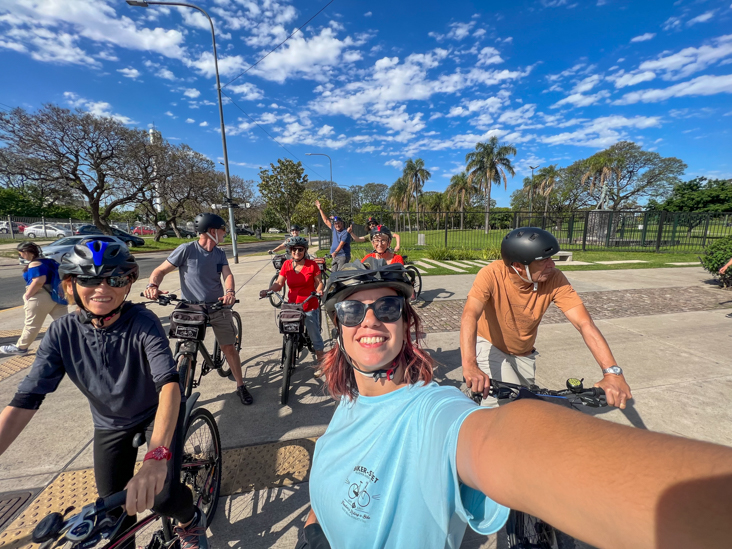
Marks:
<point>214,238</point>
<point>528,273</point>
<point>376,375</point>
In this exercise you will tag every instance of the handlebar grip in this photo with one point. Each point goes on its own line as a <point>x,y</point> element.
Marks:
<point>115,500</point>
<point>595,391</point>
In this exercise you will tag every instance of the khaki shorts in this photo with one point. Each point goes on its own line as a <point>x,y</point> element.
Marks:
<point>501,366</point>
<point>223,326</point>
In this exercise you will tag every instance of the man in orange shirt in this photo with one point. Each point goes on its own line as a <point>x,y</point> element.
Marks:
<point>501,317</point>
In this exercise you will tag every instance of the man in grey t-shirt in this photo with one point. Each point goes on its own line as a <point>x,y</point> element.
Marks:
<point>202,264</point>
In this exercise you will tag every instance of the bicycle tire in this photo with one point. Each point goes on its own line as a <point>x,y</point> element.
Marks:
<point>288,364</point>
<point>219,357</point>
<point>187,371</point>
<point>528,532</point>
<point>276,298</point>
<point>417,284</point>
<point>203,445</point>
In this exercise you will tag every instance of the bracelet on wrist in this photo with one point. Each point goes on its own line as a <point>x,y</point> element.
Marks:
<point>159,454</point>
<point>151,285</point>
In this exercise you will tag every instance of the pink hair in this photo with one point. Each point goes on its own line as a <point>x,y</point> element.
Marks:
<point>341,379</point>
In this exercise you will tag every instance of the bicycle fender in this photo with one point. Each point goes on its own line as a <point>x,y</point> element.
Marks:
<point>190,404</point>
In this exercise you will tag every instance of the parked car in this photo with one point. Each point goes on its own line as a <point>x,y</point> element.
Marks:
<point>17,227</point>
<point>141,230</point>
<point>244,231</point>
<point>127,238</point>
<point>38,230</point>
<point>57,250</point>
<point>273,230</point>
<point>184,233</point>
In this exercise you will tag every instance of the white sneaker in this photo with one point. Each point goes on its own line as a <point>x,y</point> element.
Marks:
<point>12,350</point>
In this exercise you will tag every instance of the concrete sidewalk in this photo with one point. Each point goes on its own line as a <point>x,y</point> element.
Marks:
<point>677,365</point>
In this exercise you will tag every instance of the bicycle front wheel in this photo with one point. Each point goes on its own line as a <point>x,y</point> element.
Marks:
<point>187,371</point>
<point>201,470</point>
<point>276,298</point>
<point>288,364</point>
<point>219,358</point>
<point>416,281</point>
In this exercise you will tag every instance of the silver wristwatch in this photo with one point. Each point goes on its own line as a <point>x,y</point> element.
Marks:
<point>617,370</point>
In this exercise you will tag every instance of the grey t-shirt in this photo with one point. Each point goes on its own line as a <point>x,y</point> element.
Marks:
<point>200,272</point>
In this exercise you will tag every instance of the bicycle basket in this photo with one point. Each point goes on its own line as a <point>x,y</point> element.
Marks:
<point>278,261</point>
<point>188,321</point>
<point>292,319</point>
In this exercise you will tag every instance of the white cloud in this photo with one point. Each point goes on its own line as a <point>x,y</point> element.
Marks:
<point>246,91</point>
<point>189,121</point>
<point>690,60</point>
<point>702,85</point>
<point>170,114</point>
<point>97,108</point>
<point>203,124</point>
<point>643,37</point>
<point>458,31</point>
<point>395,164</point>
<point>553,3</point>
<point>192,93</point>
<point>587,84</point>
<point>229,65</point>
<point>129,72</point>
<point>367,14</point>
<point>580,100</point>
<point>703,18</point>
<point>602,132</point>
<point>489,56</point>
<point>632,78</point>
<point>672,23</point>
<point>479,32</point>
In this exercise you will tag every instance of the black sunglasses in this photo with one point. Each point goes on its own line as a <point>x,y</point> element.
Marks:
<point>301,250</point>
<point>112,281</point>
<point>386,309</point>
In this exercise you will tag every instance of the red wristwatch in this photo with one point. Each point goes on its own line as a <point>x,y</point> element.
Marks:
<point>159,454</point>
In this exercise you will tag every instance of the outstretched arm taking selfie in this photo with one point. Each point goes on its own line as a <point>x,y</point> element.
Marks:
<point>606,484</point>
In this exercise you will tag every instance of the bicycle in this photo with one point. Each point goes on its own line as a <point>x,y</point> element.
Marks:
<point>294,338</point>
<point>188,325</point>
<point>277,298</point>
<point>526,531</point>
<point>415,276</point>
<point>94,524</point>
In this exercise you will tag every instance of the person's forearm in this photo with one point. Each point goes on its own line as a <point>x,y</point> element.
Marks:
<point>727,265</point>
<point>156,277</point>
<point>398,241</point>
<point>12,422</point>
<point>312,519</point>
<point>229,283</point>
<point>278,248</point>
<point>275,287</point>
<point>339,248</point>
<point>607,484</point>
<point>325,219</point>
<point>597,345</point>
<point>35,286</point>
<point>167,416</point>
<point>468,340</point>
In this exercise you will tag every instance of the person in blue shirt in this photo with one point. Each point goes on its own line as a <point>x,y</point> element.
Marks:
<point>340,242</point>
<point>406,463</point>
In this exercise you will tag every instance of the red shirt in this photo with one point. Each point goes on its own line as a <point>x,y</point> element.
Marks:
<point>395,259</point>
<point>301,284</point>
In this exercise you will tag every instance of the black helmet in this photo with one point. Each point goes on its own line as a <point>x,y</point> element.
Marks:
<point>295,228</point>
<point>99,258</point>
<point>372,273</point>
<point>381,229</point>
<point>339,219</point>
<point>371,220</point>
<point>296,241</point>
<point>206,221</point>
<point>527,244</point>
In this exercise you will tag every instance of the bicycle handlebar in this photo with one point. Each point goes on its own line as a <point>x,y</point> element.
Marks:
<point>167,299</point>
<point>114,501</point>
<point>589,396</point>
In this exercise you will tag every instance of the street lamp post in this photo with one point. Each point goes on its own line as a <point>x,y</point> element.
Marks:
<point>531,191</point>
<point>331,173</point>
<point>232,223</point>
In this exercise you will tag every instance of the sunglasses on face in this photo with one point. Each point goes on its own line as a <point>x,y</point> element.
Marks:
<point>112,281</point>
<point>298,250</point>
<point>386,309</point>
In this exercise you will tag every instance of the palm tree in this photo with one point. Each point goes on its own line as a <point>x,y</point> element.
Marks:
<point>487,165</point>
<point>462,190</point>
<point>416,175</point>
<point>548,176</point>
<point>398,199</point>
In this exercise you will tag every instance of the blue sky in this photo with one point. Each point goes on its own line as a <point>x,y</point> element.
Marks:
<point>374,83</point>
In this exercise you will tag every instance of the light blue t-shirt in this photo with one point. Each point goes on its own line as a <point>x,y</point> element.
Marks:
<point>385,475</point>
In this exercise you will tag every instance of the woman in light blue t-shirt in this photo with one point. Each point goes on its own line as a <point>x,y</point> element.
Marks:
<point>406,463</point>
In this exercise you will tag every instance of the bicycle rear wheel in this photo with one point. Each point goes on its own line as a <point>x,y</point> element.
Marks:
<point>288,364</point>
<point>276,298</point>
<point>187,371</point>
<point>528,532</point>
<point>218,356</point>
<point>417,281</point>
<point>202,467</point>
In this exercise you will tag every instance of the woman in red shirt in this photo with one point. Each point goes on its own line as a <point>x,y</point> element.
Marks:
<point>303,278</point>
<point>381,240</point>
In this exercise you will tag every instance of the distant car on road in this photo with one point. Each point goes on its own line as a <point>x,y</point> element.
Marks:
<point>17,227</point>
<point>57,250</point>
<point>38,230</point>
<point>184,233</point>
<point>273,230</point>
<point>244,231</point>
<point>127,238</point>
<point>141,230</point>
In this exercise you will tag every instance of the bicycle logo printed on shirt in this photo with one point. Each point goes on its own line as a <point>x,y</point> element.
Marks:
<point>359,494</point>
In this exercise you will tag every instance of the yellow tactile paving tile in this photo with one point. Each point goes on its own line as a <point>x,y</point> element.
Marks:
<point>16,364</point>
<point>245,469</point>
<point>16,333</point>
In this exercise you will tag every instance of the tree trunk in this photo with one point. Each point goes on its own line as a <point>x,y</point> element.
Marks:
<point>488,206</point>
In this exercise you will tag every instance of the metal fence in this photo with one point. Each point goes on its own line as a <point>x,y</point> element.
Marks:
<point>24,228</point>
<point>578,230</point>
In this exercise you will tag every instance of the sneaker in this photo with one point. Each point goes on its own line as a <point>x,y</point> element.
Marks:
<point>12,350</point>
<point>193,536</point>
<point>244,396</point>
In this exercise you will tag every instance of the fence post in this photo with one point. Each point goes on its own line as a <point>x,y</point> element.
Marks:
<point>570,229</point>
<point>706,230</point>
<point>660,231</point>
<point>609,228</point>
<point>584,232</point>
<point>445,229</point>
<point>673,230</point>
<point>43,221</point>
<point>515,220</point>
<point>644,231</point>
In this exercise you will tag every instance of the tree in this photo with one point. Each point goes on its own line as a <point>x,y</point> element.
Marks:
<point>548,177</point>
<point>415,175</point>
<point>98,158</point>
<point>375,193</point>
<point>282,187</point>
<point>463,191</point>
<point>699,195</point>
<point>342,198</point>
<point>398,199</point>
<point>488,164</point>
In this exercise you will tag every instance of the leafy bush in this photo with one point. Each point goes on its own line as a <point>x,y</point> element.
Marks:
<point>452,254</point>
<point>490,254</point>
<point>715,256</point>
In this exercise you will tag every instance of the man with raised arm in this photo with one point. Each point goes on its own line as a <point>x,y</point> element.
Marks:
<point>202,264</point>
<point>503,311</point>
<point>340,245</point>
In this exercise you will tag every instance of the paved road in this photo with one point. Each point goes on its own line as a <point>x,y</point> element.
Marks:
<point>12,284</point>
